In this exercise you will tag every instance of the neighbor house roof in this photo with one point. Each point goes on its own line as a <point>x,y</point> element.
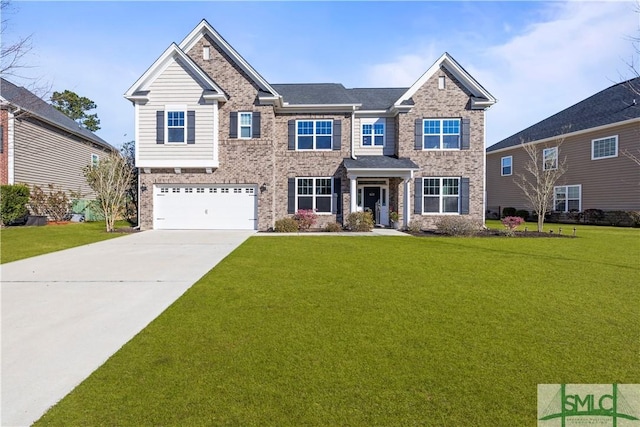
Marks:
<point>618,103</point>
<point>24,99</point>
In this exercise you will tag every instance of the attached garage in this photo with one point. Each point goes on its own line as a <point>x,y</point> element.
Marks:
<point>205,207</point>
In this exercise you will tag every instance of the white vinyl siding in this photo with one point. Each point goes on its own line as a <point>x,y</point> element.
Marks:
<point>389,138</point>
<point>175,86</point>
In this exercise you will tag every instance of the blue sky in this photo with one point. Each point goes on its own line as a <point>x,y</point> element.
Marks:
<point>537,58</point>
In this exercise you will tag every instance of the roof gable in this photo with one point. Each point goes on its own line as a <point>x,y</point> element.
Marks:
<point>173,53</point>
<point>204,28</point>
<point>481,97</point>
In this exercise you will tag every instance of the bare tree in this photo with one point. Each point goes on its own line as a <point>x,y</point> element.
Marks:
<point>12,53</point>
<point>542,171</point>
<point>110,178</point>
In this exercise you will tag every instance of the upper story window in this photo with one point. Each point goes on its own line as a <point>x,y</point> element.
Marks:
<point>441,134</point>
<point>176,126</point>
<point>95,159</point>
<point>245,123</point>
<point>314,134</point>
<point>550,158</point>
<point>373,133</point>
<point>604,147</point>
<point>506,166</point>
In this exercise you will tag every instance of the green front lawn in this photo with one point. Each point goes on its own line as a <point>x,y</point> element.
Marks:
<point>386,331</point>
<point>24,242</point>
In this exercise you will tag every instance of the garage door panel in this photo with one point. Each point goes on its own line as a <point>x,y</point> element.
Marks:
<point>205,207</point>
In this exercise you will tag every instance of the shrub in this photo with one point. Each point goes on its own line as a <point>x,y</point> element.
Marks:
<point>592,216</point>
<point>360,221</point>
<point>457,226</point>
<point>508,212</point>
<point>286,225</point>
<point>522,213</point>
<point>306,218</point>
<point>511,223</point>
<point>55,203</point>
<point>635,217</point>
<point>333,227</point>
<point>414,226</point>
<point>13,203</point>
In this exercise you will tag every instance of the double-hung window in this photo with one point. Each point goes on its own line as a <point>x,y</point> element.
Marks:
<point>314,194</point>
<point>550,158</point>
<point>506,166</point>
<point>95,159</point>
<point>373,133</point>
<point>567,198</point>
<point>604,147</point>
<point>441,195</point>
<point>314,134</point>
<point>245,124</point>
<point>176,126</point>
<point>441,134</point>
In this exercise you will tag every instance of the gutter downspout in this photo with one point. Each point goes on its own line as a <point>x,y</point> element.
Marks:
<point>353,133</point>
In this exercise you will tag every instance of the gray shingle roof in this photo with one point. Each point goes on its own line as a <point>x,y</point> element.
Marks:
<point>612,105</point>
<point>379,162</point>
<point>23,98</point>
<point>377,98</point>
<point>335,93</point>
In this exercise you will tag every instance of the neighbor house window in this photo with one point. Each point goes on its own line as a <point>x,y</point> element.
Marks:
<point>373,133</point>
<point>314,134</point>
<point>550,158</point>
<point>314,194</point>
<point>94,160</point>
<point>441,134</point>
<point>506,166</point>
<point>604,148</point>
<point>441,195</point>
<point>567,198</point>
<point>176,125</point>
<point>245,124</point>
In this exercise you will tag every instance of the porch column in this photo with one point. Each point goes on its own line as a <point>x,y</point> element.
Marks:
<point>406,208</point>
<point>354,194</point>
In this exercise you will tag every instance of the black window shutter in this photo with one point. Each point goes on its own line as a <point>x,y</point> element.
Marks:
<point>159,127</point>
<point>292,134</point>
<point>233,124</point>
<point>336,205</point>
<point>337,135</point>
<point>191,127</point>
<point>464,196</point>
<point>1,139</point>
<point>417,196</point>
<point>255,124</point>
<point>418,135</point>
<point>291,196</point>
<point>466,130</point>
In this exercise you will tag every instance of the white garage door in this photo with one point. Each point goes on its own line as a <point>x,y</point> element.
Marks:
<point>200,207</point>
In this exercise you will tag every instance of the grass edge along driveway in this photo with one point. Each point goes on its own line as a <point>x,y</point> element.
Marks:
<point>378,331</point>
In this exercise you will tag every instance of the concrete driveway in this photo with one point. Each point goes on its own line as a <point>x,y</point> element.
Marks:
<point>64,314</point>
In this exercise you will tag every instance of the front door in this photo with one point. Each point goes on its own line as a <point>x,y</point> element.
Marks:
<point>371,197</point>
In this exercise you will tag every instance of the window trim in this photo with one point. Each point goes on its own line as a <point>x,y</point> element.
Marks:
<point>502,166</point>
<point>440,196</point>
<point>314,136</point>
<point>373,123</point>
<point>566,187</point>
<point>314,195</point>
<point>240,125</point>
<point>442,134</point>
<point>544,159</point>
<point>594,141</point>
<point>175,109</point>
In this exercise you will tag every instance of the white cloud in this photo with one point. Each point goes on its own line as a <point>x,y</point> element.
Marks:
<point>404,70</point>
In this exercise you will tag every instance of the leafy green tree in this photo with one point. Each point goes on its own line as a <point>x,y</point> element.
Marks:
<point>76,107</point>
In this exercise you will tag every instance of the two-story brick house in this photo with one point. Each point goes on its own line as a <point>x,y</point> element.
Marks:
<point>220,147</point>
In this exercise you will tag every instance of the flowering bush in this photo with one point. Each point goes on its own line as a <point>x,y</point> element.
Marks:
<point>511,223</point>
<point>306,218</point>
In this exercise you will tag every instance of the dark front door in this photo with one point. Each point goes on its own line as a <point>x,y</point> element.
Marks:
<point>371,197</point>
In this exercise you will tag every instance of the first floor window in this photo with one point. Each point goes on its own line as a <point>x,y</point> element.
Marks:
<point>244,124</point>
<point>176,126</point>
<point>441,134</point>
<point>506,166</point>
<point>567,198</point>
<point>314,194</point>
<point>604,147</point>
<point>441,195</point>
<point>314,134</point>
<point>550,158</point>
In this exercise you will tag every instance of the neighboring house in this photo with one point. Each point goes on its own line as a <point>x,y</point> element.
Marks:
<point>39,145</point>
<point>220,147</point>
<point>592,136</point>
